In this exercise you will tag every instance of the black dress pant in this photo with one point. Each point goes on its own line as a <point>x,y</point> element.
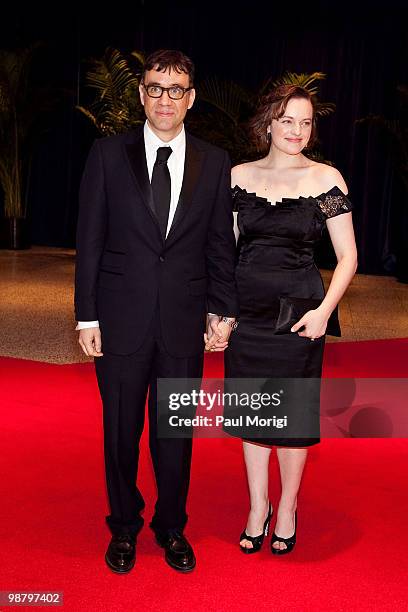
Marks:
<point>124,381</point>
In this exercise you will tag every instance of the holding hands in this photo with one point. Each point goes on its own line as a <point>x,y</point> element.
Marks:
<point>218,332</point>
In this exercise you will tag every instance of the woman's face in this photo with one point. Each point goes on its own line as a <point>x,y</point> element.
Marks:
<point>291,132</point>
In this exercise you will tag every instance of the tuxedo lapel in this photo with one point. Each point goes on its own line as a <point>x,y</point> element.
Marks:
<point>136,155</point>
<point>192,170</point>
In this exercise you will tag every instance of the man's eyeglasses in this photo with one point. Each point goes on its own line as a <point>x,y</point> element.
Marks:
<point>175,93</point>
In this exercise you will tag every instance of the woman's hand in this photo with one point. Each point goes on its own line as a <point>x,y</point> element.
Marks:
<point>314,322</point>
<point>218,332</point>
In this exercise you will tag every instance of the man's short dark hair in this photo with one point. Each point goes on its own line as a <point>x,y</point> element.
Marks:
<point>167,59</point>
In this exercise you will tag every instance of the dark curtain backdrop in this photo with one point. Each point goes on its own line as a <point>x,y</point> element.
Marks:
<point>362,50</point>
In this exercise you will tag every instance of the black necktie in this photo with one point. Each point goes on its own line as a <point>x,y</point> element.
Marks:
<point>161,187</point>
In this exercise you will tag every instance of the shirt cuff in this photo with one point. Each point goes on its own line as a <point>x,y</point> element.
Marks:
<point>86,324</point>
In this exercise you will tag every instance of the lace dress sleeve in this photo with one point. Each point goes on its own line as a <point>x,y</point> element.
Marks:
<point>334,203</point>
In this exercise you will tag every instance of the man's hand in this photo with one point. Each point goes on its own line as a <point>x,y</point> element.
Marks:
<point>218,333</point>
<point>91,341</point>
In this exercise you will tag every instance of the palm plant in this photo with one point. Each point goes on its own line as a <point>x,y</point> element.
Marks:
<point>20,107</point>
<point>396,130</point>
<point>224,108</point>
<point>308,81</point>
<point>115,79</point>
<point>220,114</point>
<point>24,107</point>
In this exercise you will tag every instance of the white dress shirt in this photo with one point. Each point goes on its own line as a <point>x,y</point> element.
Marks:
<point>175,163</point>
<point>176,168</point>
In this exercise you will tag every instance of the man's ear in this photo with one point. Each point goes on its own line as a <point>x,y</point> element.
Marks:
<point>192,95</point>
<point>141,94</point>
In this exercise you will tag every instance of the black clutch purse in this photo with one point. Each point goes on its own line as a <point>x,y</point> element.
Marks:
<point>291,309</point>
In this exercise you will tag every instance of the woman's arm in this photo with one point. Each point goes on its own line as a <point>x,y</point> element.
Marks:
<point>341,233</point>
<point>342,236</point>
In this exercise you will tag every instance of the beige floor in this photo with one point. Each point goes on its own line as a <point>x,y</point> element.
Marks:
<point>37,321</point>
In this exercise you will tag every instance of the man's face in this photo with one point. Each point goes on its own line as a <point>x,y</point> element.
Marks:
<point>166,116</point>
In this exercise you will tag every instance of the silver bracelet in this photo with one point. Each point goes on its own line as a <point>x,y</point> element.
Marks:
<point>233,324</point>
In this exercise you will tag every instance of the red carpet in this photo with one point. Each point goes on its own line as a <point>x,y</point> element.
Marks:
<point>352,537</point>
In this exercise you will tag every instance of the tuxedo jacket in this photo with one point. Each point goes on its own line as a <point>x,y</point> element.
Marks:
<point>125,269</point>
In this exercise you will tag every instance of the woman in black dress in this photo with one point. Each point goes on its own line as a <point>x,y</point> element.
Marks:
<point>283,201</point>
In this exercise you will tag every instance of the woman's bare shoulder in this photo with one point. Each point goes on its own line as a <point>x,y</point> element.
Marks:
<point>241,173</point>
<point>328,177</point>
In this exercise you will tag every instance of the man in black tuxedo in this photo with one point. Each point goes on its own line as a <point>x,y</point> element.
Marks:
<point>155,256</point>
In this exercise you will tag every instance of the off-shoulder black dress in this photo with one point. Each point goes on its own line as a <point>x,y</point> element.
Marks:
<point>276,259</point>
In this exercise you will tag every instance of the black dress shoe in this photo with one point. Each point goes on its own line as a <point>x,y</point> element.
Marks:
<point>121,553</point>
<point>256,541</point>
<point>289,542</point>
<point>178,552</point>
